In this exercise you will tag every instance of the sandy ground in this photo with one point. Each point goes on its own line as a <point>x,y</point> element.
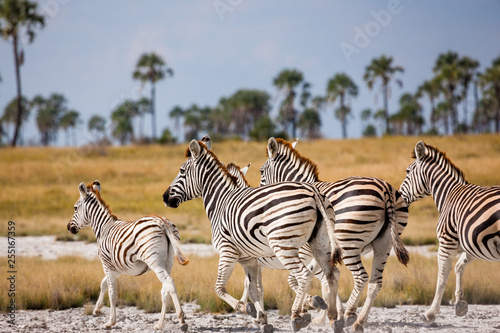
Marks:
<point>408,318</point>
<point>479,319</point>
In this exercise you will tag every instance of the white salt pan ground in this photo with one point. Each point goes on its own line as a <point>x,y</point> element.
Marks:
<point>408,318</point>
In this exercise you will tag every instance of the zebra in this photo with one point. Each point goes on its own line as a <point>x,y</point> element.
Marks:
<point>305,255</point>
<point>249,223</point>
<point>370,215</point>
<point>131,248</point>
<point>468,222</point>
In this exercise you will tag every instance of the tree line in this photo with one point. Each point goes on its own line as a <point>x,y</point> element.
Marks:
<point>462,100</point>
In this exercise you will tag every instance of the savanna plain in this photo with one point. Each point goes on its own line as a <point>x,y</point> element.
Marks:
<point>39,188</point>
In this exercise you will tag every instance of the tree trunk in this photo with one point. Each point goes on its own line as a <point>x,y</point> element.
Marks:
<point>386,107</point>
<point>343,116</point>
<point>153,113</point>
<point>18,84</point>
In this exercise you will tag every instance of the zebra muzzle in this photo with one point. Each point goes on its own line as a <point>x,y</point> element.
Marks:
<point>72,228</point>
<point>171,201</point>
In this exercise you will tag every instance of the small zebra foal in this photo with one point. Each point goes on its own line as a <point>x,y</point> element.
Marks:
<point>131,248</point>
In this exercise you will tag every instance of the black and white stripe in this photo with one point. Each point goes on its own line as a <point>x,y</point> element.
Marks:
<point>469,217</point>
<point>305,254</point>
<point>249,223</point>
<point>131,248</point>
<point>370,214</point>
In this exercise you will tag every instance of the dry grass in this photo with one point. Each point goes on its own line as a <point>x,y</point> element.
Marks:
<point>40,184</point>
<point>74,282</point>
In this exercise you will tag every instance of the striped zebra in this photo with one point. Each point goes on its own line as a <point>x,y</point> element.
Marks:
<point>131,248</point>
<point>370,215</point>
<point>469,217</point>
<point>249,223</point>
<point>305,255</point>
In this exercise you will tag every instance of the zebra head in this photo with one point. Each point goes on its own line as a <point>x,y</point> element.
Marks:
<point>81,217</point>
<point>415,185</point>
<point>235,171</point>
<point>187,183</point>
<point>284,163</point>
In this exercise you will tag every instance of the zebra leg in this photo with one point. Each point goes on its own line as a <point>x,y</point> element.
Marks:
<point>252,272</point>
<point>100,300</point>
<point>289,257</point>
<point>461,306</point>
<point>360,276</point>
<point>227,261</point>
<point>320,319</point>
<point>315,301</point>
<point>246,284</point>
<point>168,289</point>
<point>445,258</point>
<point>322,251</point>
<point>381,250</point>
<point>111,281</point>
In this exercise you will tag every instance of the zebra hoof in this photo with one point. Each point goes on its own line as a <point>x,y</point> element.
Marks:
<point>358,328</point>
<point>250,310</point>
<point>429,317</point>
<point>350,319</point>
<point>184,327</point>
<point>319,303</point>
<point>338,326</point>
<point>461,308</point>
<point>301,322</point>
<point>267,328</point>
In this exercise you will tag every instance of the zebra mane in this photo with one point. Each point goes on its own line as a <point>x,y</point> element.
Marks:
<point>295,155</point>
<point>447,163</point>
<point>90,188</point>
<point>232,178</point>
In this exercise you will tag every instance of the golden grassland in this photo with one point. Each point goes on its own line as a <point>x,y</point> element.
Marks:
<point>73,282</point>
<point>39,185</point>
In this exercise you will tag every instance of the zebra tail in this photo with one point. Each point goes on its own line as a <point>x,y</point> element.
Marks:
<point>328,213</point>
<point>399,248</point>
<point>173,235</point>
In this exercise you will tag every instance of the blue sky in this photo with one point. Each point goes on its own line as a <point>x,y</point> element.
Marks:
<point>88,49</point>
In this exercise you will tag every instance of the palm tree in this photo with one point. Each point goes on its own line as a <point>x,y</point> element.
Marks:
<point>448,71</point>
<point>97,126</point>
<point>432,88</point>
<point>383,70</point>
<point>196,119</point>
<point>489,82</point>
<point>69,121</point>
<point>152,68</point>
<point>143,107</point>
<point>177,113</point>
<point>409,115</point>
<point>341,87</point>
<point>17,17</point>
<point>247,106</point>
<point>121,122</point>
<point>10,112</point>
<point>468,69</point>
<point>49,113</point>
<point>287,80</point>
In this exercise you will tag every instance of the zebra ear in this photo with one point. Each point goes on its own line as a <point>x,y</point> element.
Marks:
<point>82,188</point>
<point>97,186</point>
<point>420,150</point>
<point>207,141</point>
<point>272,147</point>
<point>294,144</point>
<point>195,149</point>
<point>245,169</point>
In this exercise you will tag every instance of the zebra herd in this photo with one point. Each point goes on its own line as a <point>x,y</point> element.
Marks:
<point>294,221</point>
